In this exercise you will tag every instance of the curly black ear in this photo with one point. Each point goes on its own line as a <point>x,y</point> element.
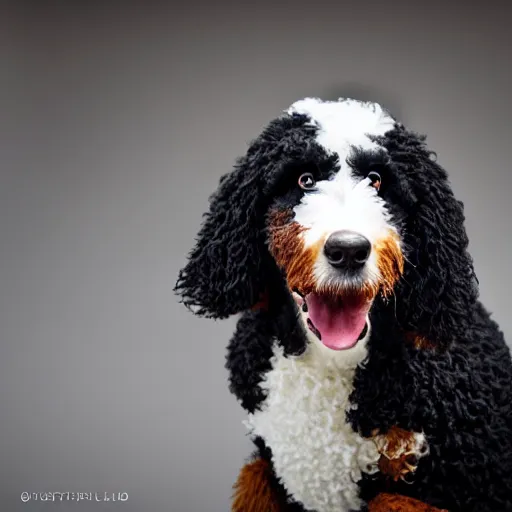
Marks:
<point>223,273</point>
<point>438,291</point>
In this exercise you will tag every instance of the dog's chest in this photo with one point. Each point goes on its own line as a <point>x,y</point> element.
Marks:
<point>316,454</point>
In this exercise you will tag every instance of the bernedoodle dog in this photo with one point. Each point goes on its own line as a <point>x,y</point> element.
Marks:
<point>372,375</point>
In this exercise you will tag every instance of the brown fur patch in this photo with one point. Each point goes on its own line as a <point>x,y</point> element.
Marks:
<point>390,261</point>
<point>397,503</point>
<point>399,453</point>
<point>397,468</point>
<point>252,490</point>
<point>287,247</point>
<point>396,438</point>
<point>420,342</point>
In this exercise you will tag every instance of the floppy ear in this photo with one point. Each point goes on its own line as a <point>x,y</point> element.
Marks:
<point>223,274</point>
<point>438,291</point>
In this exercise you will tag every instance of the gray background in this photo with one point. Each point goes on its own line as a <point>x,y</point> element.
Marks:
<point>116,122</point>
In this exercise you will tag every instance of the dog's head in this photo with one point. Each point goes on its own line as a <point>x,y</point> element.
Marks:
<point>340,205</point>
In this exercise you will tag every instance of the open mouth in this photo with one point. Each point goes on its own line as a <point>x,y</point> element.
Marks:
<point>338,322</point>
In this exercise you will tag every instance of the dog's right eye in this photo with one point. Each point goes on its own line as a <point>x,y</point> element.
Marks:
<point>307,181</point>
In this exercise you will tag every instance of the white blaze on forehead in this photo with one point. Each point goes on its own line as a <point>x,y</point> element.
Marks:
<point>345,123</point>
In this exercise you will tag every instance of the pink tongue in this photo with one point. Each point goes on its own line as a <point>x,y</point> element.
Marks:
<point>339,323</point>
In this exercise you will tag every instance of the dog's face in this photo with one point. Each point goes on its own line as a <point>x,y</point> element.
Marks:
<point>348,206</point>
<point>329,226</point>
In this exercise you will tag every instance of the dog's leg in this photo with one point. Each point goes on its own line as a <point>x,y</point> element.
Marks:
<point>397,503</point>
<point>253,490</point>
<point>400,452</point>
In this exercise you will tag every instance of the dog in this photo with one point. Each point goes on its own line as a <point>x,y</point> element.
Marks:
<point>372,375</point>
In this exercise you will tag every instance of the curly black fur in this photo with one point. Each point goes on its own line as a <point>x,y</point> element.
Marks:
<point>437,295</point>
<point>460,397</point>
<point>458,391</point>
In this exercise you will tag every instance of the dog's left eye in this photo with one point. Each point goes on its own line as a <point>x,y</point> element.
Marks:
<point>375,180</point>
<point>307,181</point>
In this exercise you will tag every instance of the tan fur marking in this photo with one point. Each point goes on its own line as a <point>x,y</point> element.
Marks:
<point>398,468</point>
<point>399,452</point>
<point>396,439</point>
<point>386,502</point>
<point>390,262</point>
<point>287,248</point>
<point>420,342</point>
<point>252,490</point>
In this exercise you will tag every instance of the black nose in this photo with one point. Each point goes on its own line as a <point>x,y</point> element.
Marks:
<point>347,250</point>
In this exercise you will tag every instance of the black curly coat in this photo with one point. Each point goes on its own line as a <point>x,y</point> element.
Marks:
<point>457,389</point>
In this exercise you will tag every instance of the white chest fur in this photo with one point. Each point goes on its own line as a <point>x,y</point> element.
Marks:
<point>316,454</point>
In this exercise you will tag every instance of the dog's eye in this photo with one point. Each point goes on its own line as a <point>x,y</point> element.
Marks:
<point>375,180</point>
<point>307,181</point>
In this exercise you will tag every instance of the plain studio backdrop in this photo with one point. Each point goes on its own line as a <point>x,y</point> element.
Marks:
<point>116,121</point>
